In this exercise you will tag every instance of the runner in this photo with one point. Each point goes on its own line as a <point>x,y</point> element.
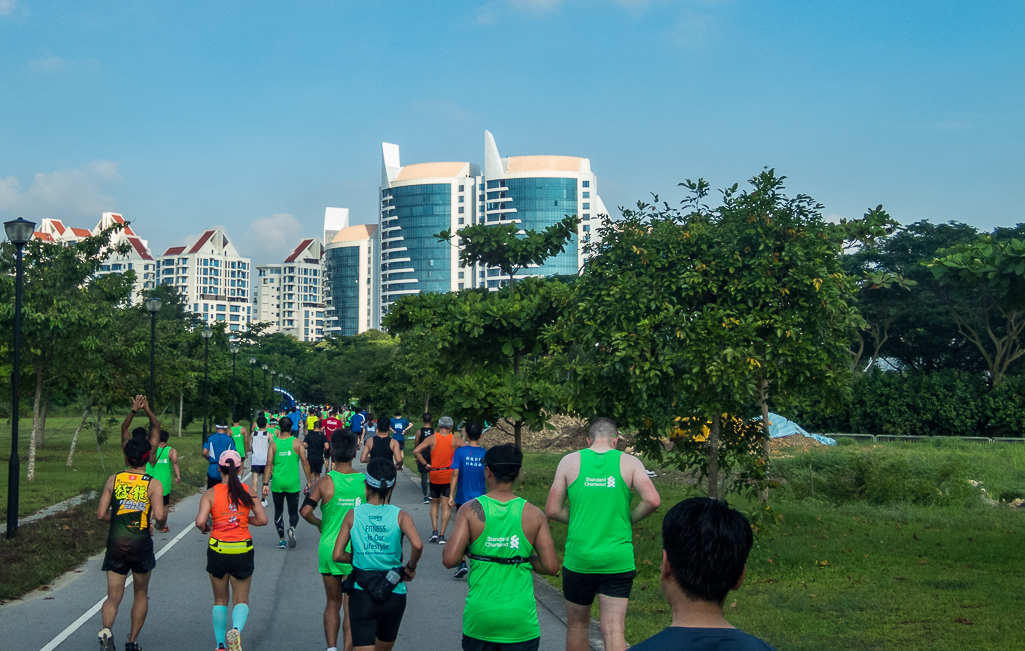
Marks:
<point>284,454</point>
<point>160,469</point>
<point>399,425</point>
<point>599,543</point>
<point>441,446</point>
<point>356,423</point>
<point>338,492</point>
<point>240,435</point>
<point>311,419</point>
<point>468,481</point>
<point>140,402</point>
<point>259,441</point>
<point>316,447</point>
<point>505,537</point>
<point>378,597</point>
<point>369,426</point>
<point>330,424</point>
<point>382,445</point>
<point>425,475</point>
<point>230,553</point>
<point>131,502</point>
<point>216,443</point>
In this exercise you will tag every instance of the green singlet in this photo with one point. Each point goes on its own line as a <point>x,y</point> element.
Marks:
<point>599,540</point>
<point>349,493</point>
<point>160,469</point>
<point>240,440</point>
<point>500,605</point>
<point>285,478</point>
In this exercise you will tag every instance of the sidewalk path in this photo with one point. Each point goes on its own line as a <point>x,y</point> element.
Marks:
<point>286,603</point>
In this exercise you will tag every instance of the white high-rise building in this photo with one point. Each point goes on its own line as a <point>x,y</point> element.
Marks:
<point>212,277</point>
<point>352,265</point>
<point>418,201</point>
<point>535,192</point>
<point>290,296</point>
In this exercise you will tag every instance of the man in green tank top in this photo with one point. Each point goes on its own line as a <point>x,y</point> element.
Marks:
<point>240,435</point>
<point>160,466</point>
<point>599,549</point>
<point>338,492</point>
<point>284,454</point>
<point>504,537</point>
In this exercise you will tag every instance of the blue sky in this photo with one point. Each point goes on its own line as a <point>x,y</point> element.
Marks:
<point>257,115</point>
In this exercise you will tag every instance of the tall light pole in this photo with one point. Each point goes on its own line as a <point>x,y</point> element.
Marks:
<point>266,383</point>
<point>153,306</point>
<point>207,333</point>
<point>19,232</point>
<point>252,373</point>
<point>272,374</point>
<point>233,347</point>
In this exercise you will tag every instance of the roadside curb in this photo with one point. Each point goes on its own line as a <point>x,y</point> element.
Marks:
<point>53,509</point>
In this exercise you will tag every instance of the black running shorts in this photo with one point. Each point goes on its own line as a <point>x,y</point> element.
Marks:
<point>237,566</point>
<point>370,619</point>
<point>167,499</point>
<point>580,588</point>
<point>258,470</point>
<point>439,490</point>
<point>211,482</point>
<point>473,644</point>
<point>138,559</point>
<point>316,465</point>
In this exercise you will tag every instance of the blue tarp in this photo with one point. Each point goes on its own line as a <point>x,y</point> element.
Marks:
<point>779,427</point>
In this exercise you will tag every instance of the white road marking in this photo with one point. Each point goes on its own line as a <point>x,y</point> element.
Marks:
<point>77,624</point>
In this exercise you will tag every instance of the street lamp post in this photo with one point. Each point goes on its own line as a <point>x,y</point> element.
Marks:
<point>19,232</point>
<point>272,374</point>
<point>153,306</point>
<point>266,383</point>
<point>252,373</point>
<point>207,333</point>
<point>233,347</point>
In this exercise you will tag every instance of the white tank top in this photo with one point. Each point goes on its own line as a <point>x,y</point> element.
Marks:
<point>260,444</point>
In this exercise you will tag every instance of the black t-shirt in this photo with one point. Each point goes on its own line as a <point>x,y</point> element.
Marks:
<point>315,445</point>
<point>676,638</point>
<point>424,433</point>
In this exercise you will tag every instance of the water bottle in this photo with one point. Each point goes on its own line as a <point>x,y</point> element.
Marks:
<point>393,577</point>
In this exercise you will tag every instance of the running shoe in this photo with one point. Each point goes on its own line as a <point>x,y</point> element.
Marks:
<point>441,540</point>
<point>282,545</point>
<point>234,640</point>
<point>291,537</point>
<point>462,571</point>
<point>165,529</point>
<point>263,503</point>
<point>427,500</point>
<point>132,646</point>
<point>106,640</point>
<point>434,536</point>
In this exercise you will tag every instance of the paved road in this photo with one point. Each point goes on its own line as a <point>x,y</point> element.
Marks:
<point>286,604</point>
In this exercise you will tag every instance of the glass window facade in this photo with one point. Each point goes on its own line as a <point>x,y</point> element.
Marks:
<point>420,211</point>
<point>539,203</point>
<point>343,277</point>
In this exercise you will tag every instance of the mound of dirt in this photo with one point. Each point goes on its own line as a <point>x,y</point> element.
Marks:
<point>569,434</point>
<point>784,444</point>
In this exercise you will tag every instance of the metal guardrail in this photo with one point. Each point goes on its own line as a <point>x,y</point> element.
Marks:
<point>890,438</point>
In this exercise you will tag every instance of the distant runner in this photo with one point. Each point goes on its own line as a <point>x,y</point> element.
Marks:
<point>240,435</point>
<point>160,467</point>
<point>399,425</point>
<point>375,529</point>
<point>599,543</point>
<point>441,447</point>
<point>338,492</point>
<point>468,477</point>
<point>215,444</point>
<point>260,442</point>
<point>425,474</point>
<point>505,537</point>
<point>316,447</point>
<point>382,445</point>
<point>284,455</point>
<point>131,501</point>
<point>230,553</point>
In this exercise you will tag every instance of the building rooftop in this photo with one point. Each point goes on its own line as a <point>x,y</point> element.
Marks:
<point>174,250</point>
<point>299,249</point>
<point>432,170</point>
<point>355,233</point>
<point>544,164</point>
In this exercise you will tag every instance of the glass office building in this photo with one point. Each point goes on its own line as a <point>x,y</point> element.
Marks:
<point>351,283</point>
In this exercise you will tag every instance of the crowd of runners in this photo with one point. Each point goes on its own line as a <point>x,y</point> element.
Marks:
<point>496,541</point>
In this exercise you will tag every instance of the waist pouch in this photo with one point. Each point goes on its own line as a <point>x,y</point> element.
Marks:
<point>501,560</point>
<point>374,582</point>
<point>226,547</point>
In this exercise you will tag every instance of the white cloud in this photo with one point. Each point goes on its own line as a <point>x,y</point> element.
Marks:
<point>7,7</point>
<point>271,238</point>
<point>68,195</point>
<point>48,63</point>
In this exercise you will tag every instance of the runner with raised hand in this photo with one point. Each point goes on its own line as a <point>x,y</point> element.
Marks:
<point>375,529</point>
<point>230,553</point>
<point>504,536</point>
<point>131,501</point>
<point>140,402</point>
<point>339,491</point>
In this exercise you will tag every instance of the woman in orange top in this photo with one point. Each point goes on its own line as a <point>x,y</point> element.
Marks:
<point>229,557</point>
<point>441,447</point>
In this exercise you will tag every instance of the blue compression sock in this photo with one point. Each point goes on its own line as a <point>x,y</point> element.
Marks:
<point>239,615</point>
<point>220,617</point>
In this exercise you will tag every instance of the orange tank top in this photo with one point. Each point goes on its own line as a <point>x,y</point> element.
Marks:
<point>441,457</point>
<point>231,523</point>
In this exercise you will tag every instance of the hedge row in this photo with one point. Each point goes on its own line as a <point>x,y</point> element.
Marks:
<point>944,403</point>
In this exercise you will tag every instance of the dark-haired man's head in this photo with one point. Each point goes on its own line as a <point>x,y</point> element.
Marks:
<point>503,462</point>
<point>380,477</point>
<point>140,433</point>
<point>427,418</point>
<point>235,419</point>
<point>603,429</point>
<point>261,422</point>
<point>474,431</point>
<point>343,446</point>
<point>398,414</point>
<point>285,423</point>
<point>705,545</point>
<point>165,436</point>
<point>137,452</point>
<point>383,425</point>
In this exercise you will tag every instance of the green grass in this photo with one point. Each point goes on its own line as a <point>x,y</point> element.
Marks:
<point>855,575</point>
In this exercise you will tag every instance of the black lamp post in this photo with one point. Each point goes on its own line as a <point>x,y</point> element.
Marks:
<point>272,374</point>
<point>153,306</point>
<point>19,232</point>
<point>207,333</point>
<point>233,347</point>
<point>252,373</point>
